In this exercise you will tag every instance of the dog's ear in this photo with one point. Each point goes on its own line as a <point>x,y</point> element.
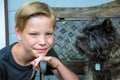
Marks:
<point>107,23</point>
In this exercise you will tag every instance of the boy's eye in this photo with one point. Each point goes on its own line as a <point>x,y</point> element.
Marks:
<point>33,34</point>
<point>49,33</point>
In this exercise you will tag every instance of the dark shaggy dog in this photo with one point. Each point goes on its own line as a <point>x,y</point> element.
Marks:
<point>100,43</point>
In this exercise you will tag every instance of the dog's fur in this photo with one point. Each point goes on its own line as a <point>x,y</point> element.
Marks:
<point>99,41</point>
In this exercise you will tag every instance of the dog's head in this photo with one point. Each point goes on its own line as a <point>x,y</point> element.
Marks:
<point>98,39</point>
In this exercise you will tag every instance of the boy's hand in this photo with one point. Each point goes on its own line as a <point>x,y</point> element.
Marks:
<point>52,61</point>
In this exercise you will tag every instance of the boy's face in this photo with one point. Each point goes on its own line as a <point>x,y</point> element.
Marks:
<point>37,37</point>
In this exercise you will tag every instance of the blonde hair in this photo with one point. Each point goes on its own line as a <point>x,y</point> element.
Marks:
<point>32,9</point>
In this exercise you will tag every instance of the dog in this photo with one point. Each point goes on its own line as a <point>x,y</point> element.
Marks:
<point>99,42</point>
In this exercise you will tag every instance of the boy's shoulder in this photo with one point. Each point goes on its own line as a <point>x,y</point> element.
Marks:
<point>5,51</point>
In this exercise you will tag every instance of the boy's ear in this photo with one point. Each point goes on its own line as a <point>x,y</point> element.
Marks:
<point>18,33</point>
<point>107,23</point>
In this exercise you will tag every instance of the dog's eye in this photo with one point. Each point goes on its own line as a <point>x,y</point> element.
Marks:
<point>81,39</point>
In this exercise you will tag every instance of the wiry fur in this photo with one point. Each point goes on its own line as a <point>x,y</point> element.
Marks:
<point>100,43</point>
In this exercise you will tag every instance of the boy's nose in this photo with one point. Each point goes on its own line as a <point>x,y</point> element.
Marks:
<point>42,40</point>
